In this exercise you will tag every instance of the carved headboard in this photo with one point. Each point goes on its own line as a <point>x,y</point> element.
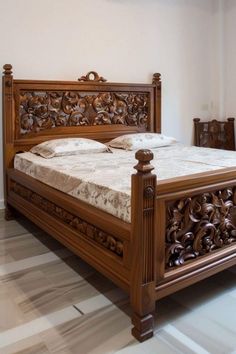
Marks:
<point>35,111</point>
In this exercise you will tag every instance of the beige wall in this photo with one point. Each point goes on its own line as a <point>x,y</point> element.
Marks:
<point>229,72</point>
<point>124,40</point>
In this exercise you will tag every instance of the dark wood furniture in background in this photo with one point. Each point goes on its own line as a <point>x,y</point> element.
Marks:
<point>214,134</point>
<point>182,230</point>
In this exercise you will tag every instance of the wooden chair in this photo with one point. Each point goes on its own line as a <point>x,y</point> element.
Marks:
<point>214,134</point>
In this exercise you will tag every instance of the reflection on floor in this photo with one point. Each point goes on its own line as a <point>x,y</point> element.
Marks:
<point>53,302</point>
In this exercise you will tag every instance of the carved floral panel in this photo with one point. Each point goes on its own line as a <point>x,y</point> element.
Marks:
<point>198,225</point>
<point>86,229</point>
<point>44,110</point>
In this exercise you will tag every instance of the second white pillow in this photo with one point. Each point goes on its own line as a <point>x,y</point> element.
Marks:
<point>141,141</point>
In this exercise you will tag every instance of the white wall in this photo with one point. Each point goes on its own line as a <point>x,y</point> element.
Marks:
<point>230,57</point>
<point>123,40</point>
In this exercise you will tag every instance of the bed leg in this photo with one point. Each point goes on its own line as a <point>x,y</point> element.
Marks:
<point>142,286</point>
<point>143,327</point>
<point>10,212</point>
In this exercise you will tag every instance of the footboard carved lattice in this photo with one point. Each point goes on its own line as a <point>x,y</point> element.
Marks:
<point>200,224</point>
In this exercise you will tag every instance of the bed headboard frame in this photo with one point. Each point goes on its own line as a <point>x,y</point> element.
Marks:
<point>35,110</point>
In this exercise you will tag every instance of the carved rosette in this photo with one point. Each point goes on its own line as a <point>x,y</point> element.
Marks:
<point>198,225</point>
<point>45,110</point>
<point>86,229</point>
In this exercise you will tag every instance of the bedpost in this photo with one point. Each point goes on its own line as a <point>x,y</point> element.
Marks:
<point>142,291</point>
<point>156,80</point>
<point>8,131</point>
<point>196,131</point>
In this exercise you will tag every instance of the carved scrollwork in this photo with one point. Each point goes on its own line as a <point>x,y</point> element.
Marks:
<point>94,75</point>
<point>45,110</point>
<point>88,230</point>
<point>198,225</point>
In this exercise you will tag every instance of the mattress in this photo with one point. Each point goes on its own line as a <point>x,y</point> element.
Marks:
<point>104,180</point>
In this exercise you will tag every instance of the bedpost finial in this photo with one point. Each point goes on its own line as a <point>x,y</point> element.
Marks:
<point>156,79</point>
<point>196,120</point>
<point>144,156</point>
<point>7,69</point>
<point>230,119</point>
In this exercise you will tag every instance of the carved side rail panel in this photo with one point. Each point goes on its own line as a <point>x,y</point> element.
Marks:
<point>88,230</point>
<point>199,225</point>
<point>43,110</point>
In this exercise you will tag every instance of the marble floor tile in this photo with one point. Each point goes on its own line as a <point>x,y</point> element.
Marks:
<point>98,302</point>
<point>154,345</point>
<point>38,291</point>
<point>20,247</point>
<point>187,341</point>
<point>39,348</point>
<point>211,336</point>
<point>38,325</point>
<point>27,263</point>
<point>107,327</point>
<point>51,302</point>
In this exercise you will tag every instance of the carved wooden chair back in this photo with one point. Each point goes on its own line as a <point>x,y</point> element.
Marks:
<point>214,134</point>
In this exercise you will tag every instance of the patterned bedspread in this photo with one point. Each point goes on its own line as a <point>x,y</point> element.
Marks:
<point>104,179</point>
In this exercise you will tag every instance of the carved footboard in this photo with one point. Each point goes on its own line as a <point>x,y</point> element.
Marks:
<point>183,230</point>
<point>196,228</point>
<point>199,225</point>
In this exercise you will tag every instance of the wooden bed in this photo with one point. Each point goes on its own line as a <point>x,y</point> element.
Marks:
<point>182,230</point>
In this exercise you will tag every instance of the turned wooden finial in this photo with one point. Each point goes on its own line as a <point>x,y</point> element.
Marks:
<point>7,69</point>
<point>92,76</point>
<point>196,120</point>
<point>230,119</point>
<point>144,156</point>
<point>156,79</point>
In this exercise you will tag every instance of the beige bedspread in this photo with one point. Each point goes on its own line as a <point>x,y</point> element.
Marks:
<point>104,180</point>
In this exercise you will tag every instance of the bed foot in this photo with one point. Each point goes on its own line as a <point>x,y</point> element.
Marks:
<point>143,327</point>
<point>10,213</point>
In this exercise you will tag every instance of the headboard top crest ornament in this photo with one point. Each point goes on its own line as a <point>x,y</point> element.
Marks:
<point>37,110</point>
<point>94,75</point>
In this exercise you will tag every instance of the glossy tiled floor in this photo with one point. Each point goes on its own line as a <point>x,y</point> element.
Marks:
<point>53,302</point>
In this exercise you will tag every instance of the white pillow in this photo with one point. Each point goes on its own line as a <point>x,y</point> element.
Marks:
<point>141,141</point>
<point>68,146</point>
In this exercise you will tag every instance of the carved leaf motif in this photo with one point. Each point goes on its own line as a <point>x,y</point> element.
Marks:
<point>90,231</point>
<point>198,225</point>
<point>45,110</point>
